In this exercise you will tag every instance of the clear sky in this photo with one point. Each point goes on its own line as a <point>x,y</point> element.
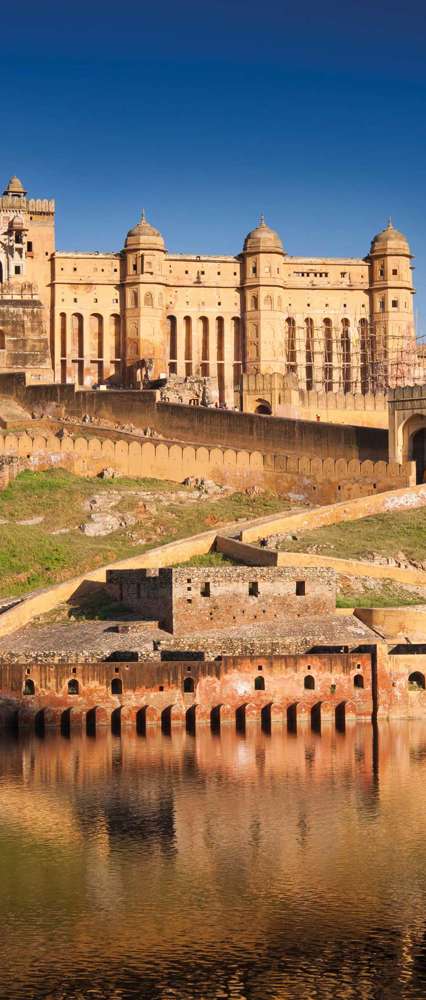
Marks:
<point>209,113</point>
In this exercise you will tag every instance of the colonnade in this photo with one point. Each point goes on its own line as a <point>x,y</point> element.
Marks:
<point>88,347</point>
<point>211,347</point>
<point>289,716</point>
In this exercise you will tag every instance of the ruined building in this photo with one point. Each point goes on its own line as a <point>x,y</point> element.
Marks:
<point>334,324</point>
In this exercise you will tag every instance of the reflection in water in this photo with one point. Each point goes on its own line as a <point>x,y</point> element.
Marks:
<point>250,867</point>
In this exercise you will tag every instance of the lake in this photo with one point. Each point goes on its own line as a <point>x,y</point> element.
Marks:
<point>241,866</point>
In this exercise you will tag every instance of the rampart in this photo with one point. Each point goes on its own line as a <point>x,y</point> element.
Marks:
<point>207,425</point>
<point>273,390</point>
<point>310,478</point>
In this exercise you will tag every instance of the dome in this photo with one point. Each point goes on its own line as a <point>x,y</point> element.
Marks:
<point>145,236</point>
<point>390,239</point>
<point>263,238</point>
<point>15,186</point>
<point>17,222</point>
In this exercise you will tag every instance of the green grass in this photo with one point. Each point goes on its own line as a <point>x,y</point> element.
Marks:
<point>386,596</point>
<point>209,559</point>
<point>31,557</point>
<point>384,534</point>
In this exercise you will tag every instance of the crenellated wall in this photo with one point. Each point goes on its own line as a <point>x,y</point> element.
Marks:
<point>284,400</point>
<point>205,425</point>
<point>323,480</point>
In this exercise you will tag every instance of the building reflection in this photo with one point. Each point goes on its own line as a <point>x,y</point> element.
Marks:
<point>249,855</point>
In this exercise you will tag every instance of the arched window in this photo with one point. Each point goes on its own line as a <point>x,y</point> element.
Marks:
<point>346,356</point>
<point>63,334</point>
<point>309,683</point>
<point>116,685</point>
<point>148,300</point>
<point>220,355</point>
<point>364,356</point>
<point>73,686</point>
<point>220,338</point>
<point>77,344</point>
<point>203,333</point>
<point>134,299</point>
<point>328,355</point>
<point>290,347</point>
<point>115,336</point>
<point>268,304</point>
<point>416,680</point>
<point>187,325</point>
<point>253,302</point>
<point>358,681</point>
<point>374,375</point>
<point>259,683</point>
<point>262,406</point>
<point>188,685</point>
<point>96,336</point>
<point>309,353</point>
<point>238,350</point>
<point>29,686</point>
<point>171,321</point>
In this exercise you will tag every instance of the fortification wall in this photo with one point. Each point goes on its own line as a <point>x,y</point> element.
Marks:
<point>285,400</point>
<point>208,426</point>
<point>305,478</point>
<point>351,510</point>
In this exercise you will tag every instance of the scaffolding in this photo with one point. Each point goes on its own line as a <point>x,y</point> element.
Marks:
<point>338,358</point>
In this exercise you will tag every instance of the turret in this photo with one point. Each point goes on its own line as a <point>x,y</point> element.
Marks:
<point>144,281</point>
<point>263,254</point>
<point>391,307</point>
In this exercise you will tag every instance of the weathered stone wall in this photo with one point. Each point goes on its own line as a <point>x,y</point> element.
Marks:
<point>215,597</point>
<point>24,341</point>
<point>366,410</point>
<point>235,689</point>
<point>207,425</point>
<point>311,478</point>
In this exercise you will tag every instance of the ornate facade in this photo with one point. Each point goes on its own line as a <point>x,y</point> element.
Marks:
<point>333,324</point>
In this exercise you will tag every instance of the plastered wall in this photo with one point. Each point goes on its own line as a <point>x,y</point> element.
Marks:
<point>310,478</point>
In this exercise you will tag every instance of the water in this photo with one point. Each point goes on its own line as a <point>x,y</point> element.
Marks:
<point>256,867</point>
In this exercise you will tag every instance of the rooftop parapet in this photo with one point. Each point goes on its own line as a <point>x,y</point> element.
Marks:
<point>22,290</point>
<point>36,206</point>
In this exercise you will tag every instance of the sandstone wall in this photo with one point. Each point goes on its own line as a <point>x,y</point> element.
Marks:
<point>366,410</point>
<point>309,478</point>
<point>209,426</point>
<point>193,598</point>
<point>237,689</point>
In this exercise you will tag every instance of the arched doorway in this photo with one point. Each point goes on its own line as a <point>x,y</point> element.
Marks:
<point>417,453</point>
<point>262,406</point>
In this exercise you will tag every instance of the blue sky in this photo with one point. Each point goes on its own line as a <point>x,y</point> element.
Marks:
<point>207,115</point>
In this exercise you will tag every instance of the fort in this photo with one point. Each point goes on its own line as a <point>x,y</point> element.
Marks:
<point>258,373</point>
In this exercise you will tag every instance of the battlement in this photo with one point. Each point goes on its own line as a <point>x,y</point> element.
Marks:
<point>13,290</point>
<point>35,206</point>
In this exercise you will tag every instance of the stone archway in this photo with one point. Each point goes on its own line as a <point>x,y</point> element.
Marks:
<point>264,407</point>
<point>411,443</point>
<point>417,453</point>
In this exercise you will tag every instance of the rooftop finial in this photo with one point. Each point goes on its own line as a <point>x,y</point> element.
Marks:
<point>262,219</point>
<point>143,216</point>
<point>390,226</point>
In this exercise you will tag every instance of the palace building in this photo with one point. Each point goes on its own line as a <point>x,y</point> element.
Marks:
<point>326,324</point>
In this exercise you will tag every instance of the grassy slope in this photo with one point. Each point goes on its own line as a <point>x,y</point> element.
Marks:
<point>385,534</point>
<point>31,557</point>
